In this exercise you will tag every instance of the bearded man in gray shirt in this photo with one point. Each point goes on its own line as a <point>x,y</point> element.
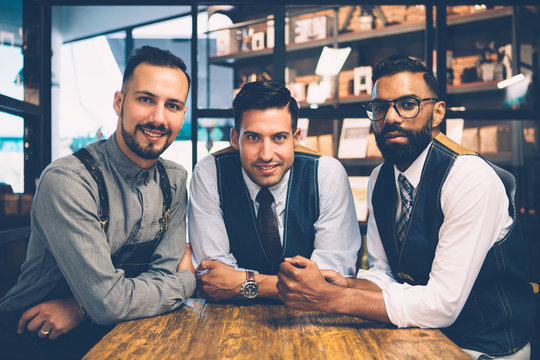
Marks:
<point>108,225</point>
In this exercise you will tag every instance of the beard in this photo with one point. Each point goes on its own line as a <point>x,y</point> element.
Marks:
<point>404,153</point>
<point>150,152</point>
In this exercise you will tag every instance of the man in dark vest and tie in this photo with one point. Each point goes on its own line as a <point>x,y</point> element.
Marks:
<point>444,243</point>
<point>266,198</point>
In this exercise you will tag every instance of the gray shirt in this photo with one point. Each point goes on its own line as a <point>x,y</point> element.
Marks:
<point>67,240</point>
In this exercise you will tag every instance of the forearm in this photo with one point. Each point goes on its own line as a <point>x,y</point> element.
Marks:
<point>364,303</point>
<point>267,286</point>
<point>362,284</point>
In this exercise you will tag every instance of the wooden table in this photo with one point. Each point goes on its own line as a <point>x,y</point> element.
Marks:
<point>258,331</point>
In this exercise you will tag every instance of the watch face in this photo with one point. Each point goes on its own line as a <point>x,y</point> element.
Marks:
<point>250,289</point>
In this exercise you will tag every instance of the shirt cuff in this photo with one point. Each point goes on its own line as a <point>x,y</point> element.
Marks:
<point>186,283</point>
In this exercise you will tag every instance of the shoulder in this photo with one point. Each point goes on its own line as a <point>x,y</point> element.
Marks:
<point>472,166</point>
<point>177,173</point>
<point>328,163</point>
<point>473,173</point>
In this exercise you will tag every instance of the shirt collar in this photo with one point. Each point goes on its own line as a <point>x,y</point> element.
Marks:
<point>278,191</point>
<point>127,168</point>
<point>414,172</point>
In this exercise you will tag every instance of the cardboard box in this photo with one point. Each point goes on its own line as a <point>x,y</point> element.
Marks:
<point>471,139</point>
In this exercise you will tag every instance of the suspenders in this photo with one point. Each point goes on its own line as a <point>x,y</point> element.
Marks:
<point>132,258</point>
<point>103,212</point>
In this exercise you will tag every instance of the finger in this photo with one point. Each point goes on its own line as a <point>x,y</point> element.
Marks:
<point>36,323</point>
<point>287,270</point>
<point>299,261</point>
<point>54,334</point>
<point>206,264</point>
<point>26,317</point>
<point>45,330</point>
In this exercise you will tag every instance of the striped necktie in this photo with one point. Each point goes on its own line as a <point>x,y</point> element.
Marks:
<point>406,193</point>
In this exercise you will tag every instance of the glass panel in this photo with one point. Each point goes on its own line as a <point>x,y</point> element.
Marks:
<point>12,152</point>
<point>11,49</point>
<point>86,96</point>
<point>19,51</point>
<point>480,55</point>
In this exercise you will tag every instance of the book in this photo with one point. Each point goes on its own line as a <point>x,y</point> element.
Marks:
<point>359,191</point>
<point>353,140</point>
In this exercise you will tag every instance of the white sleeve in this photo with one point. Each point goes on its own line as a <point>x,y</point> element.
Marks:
<point>337,234</point>
<point>206,228</point>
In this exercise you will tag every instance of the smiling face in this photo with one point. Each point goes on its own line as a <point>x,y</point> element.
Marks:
<point>402,140</point>
<point>266,144</point>
<point>150,109</point>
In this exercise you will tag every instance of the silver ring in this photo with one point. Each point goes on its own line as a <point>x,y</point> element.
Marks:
<point>45,332</point>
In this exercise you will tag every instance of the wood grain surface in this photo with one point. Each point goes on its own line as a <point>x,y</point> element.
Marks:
<point>259,331</point>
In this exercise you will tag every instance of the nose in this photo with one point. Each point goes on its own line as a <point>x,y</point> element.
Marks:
<point>265,151</point>
<point>158,114</point>
<point>392,115</point>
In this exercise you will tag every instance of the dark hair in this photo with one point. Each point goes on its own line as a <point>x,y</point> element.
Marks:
<point>263,95</point>
<point>399,63</point>
<point>153,56</point>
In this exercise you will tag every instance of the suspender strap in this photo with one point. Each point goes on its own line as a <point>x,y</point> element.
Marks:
<point>165,186</point>
<point>88,161</point>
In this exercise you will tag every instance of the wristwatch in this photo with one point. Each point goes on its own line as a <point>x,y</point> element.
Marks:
<point>249,288</point>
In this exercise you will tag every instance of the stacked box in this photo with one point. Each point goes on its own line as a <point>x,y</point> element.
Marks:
<point>461,64</point>
<point>15,204</point>
<point>346,83</point>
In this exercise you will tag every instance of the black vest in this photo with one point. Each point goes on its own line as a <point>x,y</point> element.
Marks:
<point>301,210</point>
<point>498,316</point>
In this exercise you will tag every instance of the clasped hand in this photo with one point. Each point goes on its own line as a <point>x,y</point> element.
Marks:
<point>303,286</point>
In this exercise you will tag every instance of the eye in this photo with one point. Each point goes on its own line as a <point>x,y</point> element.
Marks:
<point>175,107</point>
<point>407,104</point>
<point>252,137</point>
<point>280,138</point>
<point>379,106</point>
<point>145,99</point>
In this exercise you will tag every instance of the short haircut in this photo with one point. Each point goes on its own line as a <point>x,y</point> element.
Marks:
<point>263,95</point>
<point>399,63</point>
<point>153,56</point>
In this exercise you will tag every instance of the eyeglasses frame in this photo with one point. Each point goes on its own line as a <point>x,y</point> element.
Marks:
<point>394,105</point>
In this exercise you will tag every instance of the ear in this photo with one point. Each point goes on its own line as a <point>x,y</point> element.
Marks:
<point>439,110</point>
<point>234,139</point>
<point>297,136</point>
<point>117,103</point>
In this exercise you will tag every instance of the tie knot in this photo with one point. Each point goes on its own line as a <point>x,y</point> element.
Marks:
<point>405,185</point>
<point>264,196</point>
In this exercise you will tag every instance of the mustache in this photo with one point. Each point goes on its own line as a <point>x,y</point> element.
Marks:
<point>394,127</point>
<point>151,127</point>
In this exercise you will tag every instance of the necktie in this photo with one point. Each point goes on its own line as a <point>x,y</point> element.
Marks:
<point>406,193</point>
<point>267,225</point>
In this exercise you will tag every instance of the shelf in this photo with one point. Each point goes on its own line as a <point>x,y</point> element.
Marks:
<point>386,31</point>
<point>367,162</point>
<point>477,86</point>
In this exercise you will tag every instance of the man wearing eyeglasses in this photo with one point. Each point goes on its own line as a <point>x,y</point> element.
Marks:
<point>445,249</point>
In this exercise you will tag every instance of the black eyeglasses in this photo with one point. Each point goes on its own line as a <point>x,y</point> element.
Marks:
<point>407,107</point>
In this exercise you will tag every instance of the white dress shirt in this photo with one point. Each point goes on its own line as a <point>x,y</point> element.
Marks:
<point>337,235</point>
<point>475,208</point>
